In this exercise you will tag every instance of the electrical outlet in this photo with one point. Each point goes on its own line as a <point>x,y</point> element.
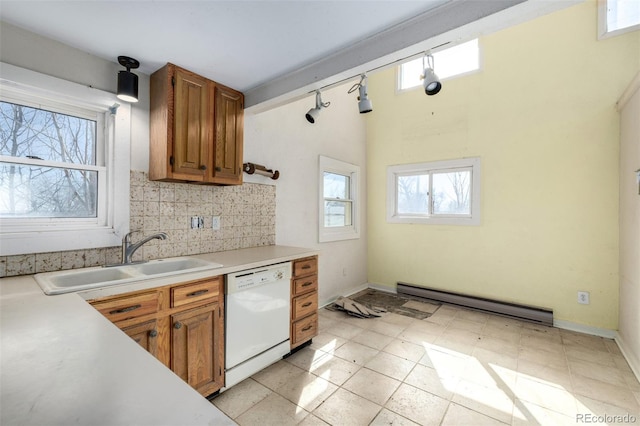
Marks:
<point>583,297</point>
<point>197,222</point>
<point>215,223</point>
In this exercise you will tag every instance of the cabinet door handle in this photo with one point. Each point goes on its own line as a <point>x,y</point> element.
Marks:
<point>197,293</point>
<point>177,325</point>
<point>307,328</point>
<point>123,310</point>
<point>203,167</point>
<point>153,333</point>
<point>218,169</point>
<point>307,304</point>
<point>307,284</point>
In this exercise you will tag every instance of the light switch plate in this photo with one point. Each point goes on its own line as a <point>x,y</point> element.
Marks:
<point>215,223</point>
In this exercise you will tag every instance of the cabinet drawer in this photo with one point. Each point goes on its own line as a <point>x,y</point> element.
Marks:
<point>305,267</point>
<point>129,307</point>
<point>305,285</point>
<point>304,330</point>
<point>304,305</point>
<point>195,292</point>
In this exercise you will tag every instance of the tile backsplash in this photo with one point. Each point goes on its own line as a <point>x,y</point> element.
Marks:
<point>247,219</point>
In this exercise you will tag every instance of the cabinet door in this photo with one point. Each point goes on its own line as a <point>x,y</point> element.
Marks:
<point>146,335</point>
<point>228,137</point>
<point>197,347</point>
<point>192,121</point>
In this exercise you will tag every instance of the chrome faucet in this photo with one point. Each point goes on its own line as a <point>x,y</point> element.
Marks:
<point>129,248</point>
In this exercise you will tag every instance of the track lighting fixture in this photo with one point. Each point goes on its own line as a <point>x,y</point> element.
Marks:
<point>430,82</point>
<point>364,103</point>
<point>313,113</point>
<point>128,81</point>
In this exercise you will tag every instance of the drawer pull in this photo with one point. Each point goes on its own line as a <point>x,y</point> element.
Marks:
<point>197,293</point>
<point>307,304</point>
<point>307,328</point>
<point>306,266</point>
<point>307,284</point>
<point>123,310</point>
<point>153,333</point>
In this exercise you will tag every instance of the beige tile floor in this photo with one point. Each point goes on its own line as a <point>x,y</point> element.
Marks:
<point>457,367</point>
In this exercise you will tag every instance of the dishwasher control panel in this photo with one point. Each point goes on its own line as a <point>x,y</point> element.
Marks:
<point>244,280</point>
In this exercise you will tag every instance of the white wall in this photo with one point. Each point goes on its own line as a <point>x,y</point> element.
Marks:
<point>283,140</point>
<point>629,321</point>
<point>280,138</point>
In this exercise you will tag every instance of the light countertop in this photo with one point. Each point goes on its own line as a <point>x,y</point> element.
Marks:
<point>63,363</point>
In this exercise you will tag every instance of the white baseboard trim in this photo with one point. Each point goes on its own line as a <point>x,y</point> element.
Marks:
<point>349,293</point>
<point>383,288</point>
<point>631,358</point>
<point>587,329</point>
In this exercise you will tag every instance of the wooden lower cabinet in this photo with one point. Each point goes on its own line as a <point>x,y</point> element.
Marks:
<point>304,301</point>
<point>182,325</point>
<point>196,347</point>
<point>146,335</point>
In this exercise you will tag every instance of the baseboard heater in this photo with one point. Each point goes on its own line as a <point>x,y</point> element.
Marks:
<point>522,312</point>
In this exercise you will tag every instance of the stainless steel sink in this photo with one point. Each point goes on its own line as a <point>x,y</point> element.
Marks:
<point>90,278</point>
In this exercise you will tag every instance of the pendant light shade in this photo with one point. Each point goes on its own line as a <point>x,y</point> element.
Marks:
<point>128,81</point>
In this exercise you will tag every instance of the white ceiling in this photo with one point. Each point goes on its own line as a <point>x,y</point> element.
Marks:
<point>263,48</point>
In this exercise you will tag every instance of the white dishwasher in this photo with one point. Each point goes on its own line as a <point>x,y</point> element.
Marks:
<point>257,303</point>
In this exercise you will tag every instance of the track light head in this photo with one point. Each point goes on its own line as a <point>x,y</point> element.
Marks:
<point>128,81</point>
<point>364,103</point>
<point>313,113</point>
<point>431,82</point>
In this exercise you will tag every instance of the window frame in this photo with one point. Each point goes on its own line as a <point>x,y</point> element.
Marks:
<point>30,235</point>
<point>603,30</point>
<point>339,233</point>
<point>430,168</point>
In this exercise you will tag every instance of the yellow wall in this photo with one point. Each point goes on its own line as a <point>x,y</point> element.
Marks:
<point>541,115</point>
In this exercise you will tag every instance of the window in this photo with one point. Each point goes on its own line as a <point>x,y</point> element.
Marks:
<point>617,17</point>
<point>451,62</point>
<point>339,199</point>
<point>61,161</point>
<point>441,192</point>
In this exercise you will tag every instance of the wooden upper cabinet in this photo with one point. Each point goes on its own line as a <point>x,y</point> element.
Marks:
<point>228,136</point>
<point>196,129</point>
<point>192,121</point>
